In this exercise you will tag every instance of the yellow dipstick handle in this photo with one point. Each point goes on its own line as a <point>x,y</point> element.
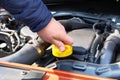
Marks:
<point>57,53</point>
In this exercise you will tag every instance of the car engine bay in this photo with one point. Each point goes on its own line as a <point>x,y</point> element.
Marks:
<point>96,44</point>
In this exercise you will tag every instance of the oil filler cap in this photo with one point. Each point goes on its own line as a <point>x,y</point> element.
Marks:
<point>61,54</point>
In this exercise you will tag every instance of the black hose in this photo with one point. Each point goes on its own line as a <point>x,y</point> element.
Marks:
<point>94,48</point>
<point>73,25</point>
<point>108,49</point>
<point>27,55</point>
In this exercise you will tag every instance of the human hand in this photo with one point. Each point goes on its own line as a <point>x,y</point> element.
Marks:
<point>55,33</point>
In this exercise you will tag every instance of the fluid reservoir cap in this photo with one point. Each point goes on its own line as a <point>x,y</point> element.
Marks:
<point>61,54</point>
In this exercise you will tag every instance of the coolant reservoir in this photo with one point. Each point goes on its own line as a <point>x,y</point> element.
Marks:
<point>61,54</point>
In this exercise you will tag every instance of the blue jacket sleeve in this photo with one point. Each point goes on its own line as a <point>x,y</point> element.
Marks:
<point>33,13</point>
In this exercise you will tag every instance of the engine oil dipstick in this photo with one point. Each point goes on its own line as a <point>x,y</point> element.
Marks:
<point>61,54</point>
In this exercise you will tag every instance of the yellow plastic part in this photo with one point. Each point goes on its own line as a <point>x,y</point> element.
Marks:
<point>57,53</point>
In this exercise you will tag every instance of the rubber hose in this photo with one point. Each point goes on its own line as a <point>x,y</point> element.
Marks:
<point>26,55</point>
<point>72,25</point>
<point>94,48</point>
<point>108,49</point>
